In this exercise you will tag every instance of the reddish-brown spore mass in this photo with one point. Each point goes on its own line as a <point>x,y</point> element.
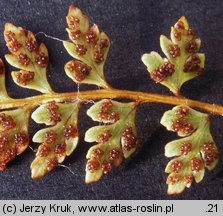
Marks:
<point>159,74</point>
<point>7,121</point>
<point>185,148</point>
<point>21,139</point>
<point>188,179</point>
<point>172,179</point>
<point>31,44</point>
<point>70,132</point>
<point>51,163</point>
<point>12,42</point>
<point>191,47</point>
<point>97,153</point>
<point>93,165</point>
<point>42,60</point>
<point>54,115</point>
<point>24,78</point>
<point>91,37</point>
<point>106,113</point>
<point>210,154</point>
<point>81,49</point>
<point>46,147</point>
<point>106,167</point>
<point>182,112</point>
<point>174,50</point>
<point>23,59</point>
<point>114,154</point>
<point>60,149</point>
<point>196,165</point>
<point>181,125</point>
<point>80,70</point>
<point>176,166</point>
<point>104,137</point>
<point>129,139</point>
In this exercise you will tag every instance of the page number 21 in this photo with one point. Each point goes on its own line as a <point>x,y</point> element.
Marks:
<point>212,208</point>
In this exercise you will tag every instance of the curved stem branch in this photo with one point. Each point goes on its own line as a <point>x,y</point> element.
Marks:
<point>141,97</point>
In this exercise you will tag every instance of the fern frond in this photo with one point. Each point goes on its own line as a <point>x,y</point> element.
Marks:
<point>89,47</point>
<point>57,141</point>
<point>183,61</point>
<point>193,153</point>
<point>31,59</point>
<point>117,138</point>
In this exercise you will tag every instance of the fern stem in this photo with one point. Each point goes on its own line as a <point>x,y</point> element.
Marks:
<point>140,97</point>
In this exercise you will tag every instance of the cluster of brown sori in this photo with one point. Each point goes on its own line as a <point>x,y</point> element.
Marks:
<point>174,50</point>
<point>40,58</point>
<point>181,124</point>
<point>48,146</point>
<point>160,73</point>
<point>210,154</point>
<point>54,115</point>
<point>191,46</point>
<point>196,164</point>
<point>12,42</point>
<point>115,156</point>
<point>81,49</point>
<point>20,139</point>
<point>97,160</point>
<point>70,132</point>
<point>129,140</point>
<point>180,31</point>
<point>25,77</point>
<point>185,148</point>
<point>104,137</point>
<point>176,166</point>
<point>90,37</point>
<point>106,114</point>
<point>23,59</point>
<point>99,50</point>
<point>173,179</point>
<point>93,163</point>
<point>60,149</point>
<point>80,70</point>
<point>182,111</point>
<point>31,43</point>
<point>188,179</point>
<point>7,121</point>
<point>192,64</point>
